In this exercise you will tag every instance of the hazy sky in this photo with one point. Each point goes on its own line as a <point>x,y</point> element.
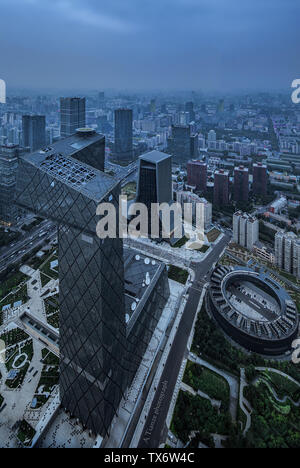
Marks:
<point>150,44</point>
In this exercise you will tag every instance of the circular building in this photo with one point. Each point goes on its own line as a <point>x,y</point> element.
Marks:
<point>253,310</point>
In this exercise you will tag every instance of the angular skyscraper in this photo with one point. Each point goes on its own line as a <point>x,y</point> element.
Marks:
<point>123,150</point>
<point>34,131</point>
<point>72,115</point>
<point>241,184</point>
<point>57,184</point>
<point>106,319</point>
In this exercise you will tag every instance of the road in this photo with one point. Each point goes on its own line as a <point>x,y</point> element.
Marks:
<point>15,252</point>
<point>153,433</point>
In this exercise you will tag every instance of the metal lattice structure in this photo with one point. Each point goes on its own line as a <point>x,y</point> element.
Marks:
<point>93,351</point>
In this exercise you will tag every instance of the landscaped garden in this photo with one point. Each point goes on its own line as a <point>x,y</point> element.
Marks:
<point>178,274</point>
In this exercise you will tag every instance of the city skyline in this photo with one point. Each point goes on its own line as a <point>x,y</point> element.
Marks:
<point>171,44</point>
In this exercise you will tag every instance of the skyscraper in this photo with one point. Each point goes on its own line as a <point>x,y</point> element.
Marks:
<point>197,175</point>
<point>179,145</point>
<point>72,115</point>
<point>102,333</point>
<point>34,131</point>
<point>9,156</point>
<point>241,184</point>
<point>221,188</point>
<point>194,146</point>
<point>260,179</point>
<point>123,135</point>
<point>189,107</point>
<point>155,178</point>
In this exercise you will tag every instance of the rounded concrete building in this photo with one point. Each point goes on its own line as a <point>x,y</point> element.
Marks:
<point>253,310</point>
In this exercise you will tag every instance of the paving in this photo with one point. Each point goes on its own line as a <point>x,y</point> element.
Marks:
<point>155,430</point>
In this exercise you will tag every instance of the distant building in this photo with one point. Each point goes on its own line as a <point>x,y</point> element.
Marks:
<point>189,107</point>
<point>241,184</point>
<point>72,115</point>
<point>197,175</point>
<point>260,179</point>
<point>245,230</point>
<point>123,150</point>
<point>194,146</point>
<point>179,145</point>
<point>221,187</point>
<point>34,131</point>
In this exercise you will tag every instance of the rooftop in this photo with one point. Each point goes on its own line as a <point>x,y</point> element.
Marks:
<point>59,161</point>
<point>155,157</point>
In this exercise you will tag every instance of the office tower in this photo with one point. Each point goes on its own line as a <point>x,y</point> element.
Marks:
<point>221,106</point>
<point>287,252</point>
<point>92,321</point>
<point>153,106</point>
<point>155,178</point>
<point>189,107</point>
<point>102,334</point>
<point>34,131</point>
<point>123,135</point>
<point>221,188</point>
<point>245,230</point>
<point>9,156</point>
<point>197,175</point>
<point>179,145</point>
<point>72,115</point>
<point>194,146</point>
<point>260,179</point>
<point>184,118</point>
<point>241,184</point>
<point>101,98</point>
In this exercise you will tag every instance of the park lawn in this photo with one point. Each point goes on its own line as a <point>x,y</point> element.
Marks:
<point>203,379</point>
<point>213,235</point>
<point>283,386</point>
<point>178,274</point>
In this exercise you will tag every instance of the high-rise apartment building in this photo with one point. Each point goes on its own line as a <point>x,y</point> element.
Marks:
<point>123,150</point>
<point>197,175</point>
<point>260,179</point>
<point>72,115</point>
<point>245,230</point>
<point>241,184</point>
<point>287,252</point>
<point>221,187</point>
<point>34,131</point>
